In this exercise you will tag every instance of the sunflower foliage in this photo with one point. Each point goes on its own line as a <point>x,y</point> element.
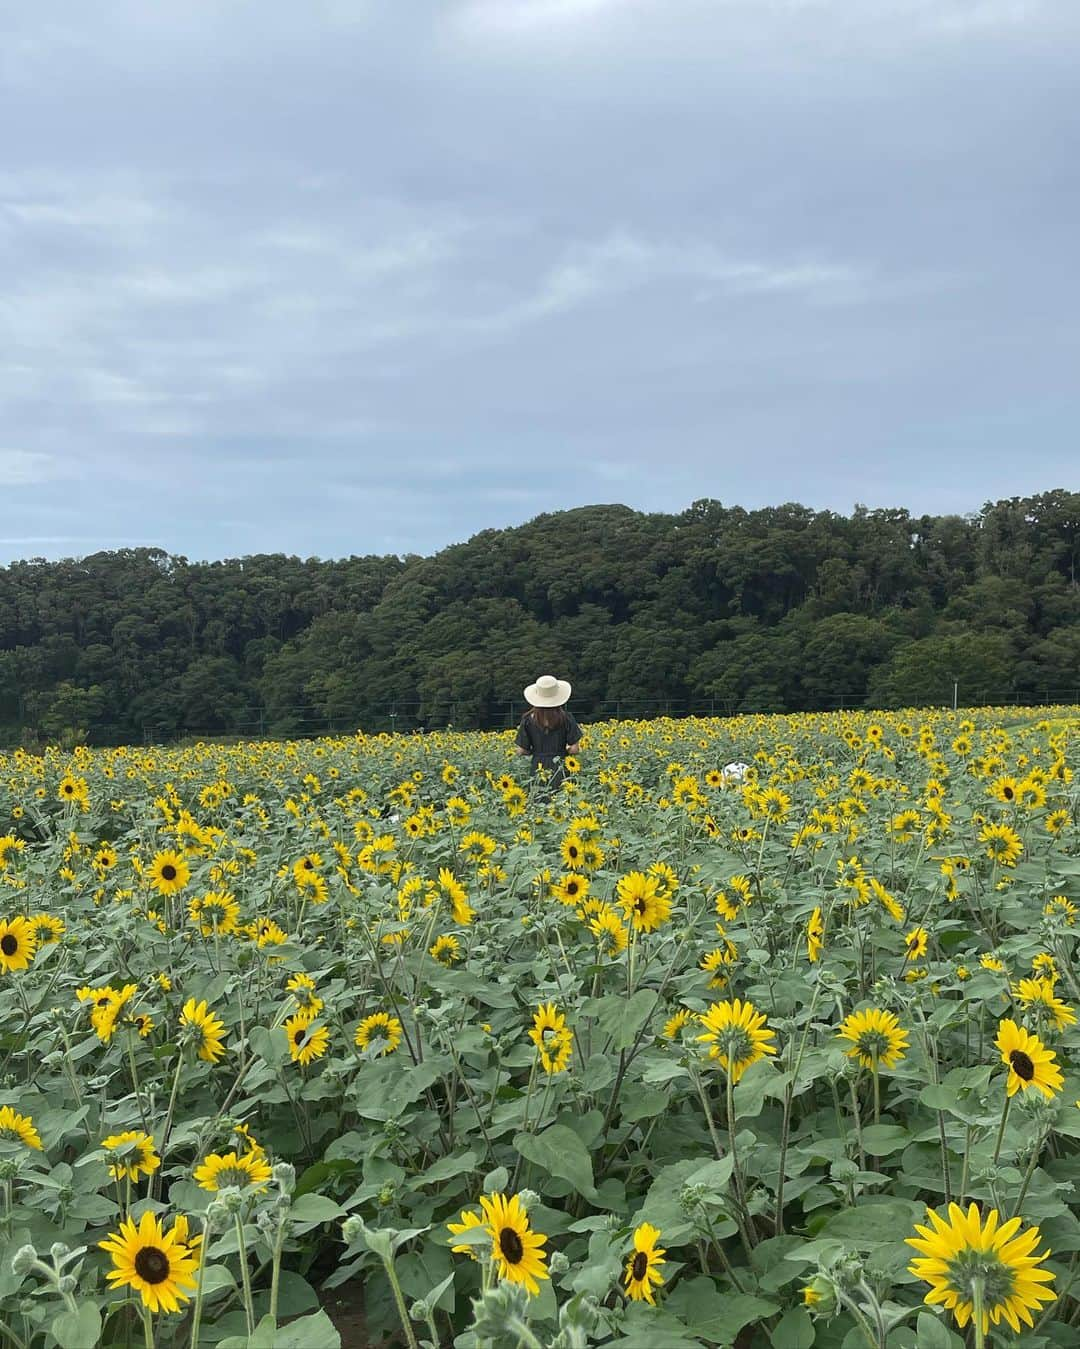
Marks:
<point>757,1032</point>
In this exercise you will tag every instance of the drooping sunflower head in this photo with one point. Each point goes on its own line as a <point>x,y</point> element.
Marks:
<point>876,1038</point>
<point>205,1030</point>
<point>133,1154</point>
<point>553,1039</point>
<point>968,1262</point>
<point>445,949</point>
<point>380,1032</point>
<point>737,1035</point>
<point>246,1170</point>
<point>16,1128</point>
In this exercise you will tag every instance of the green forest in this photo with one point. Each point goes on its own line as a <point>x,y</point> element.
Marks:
<point>716,608</point>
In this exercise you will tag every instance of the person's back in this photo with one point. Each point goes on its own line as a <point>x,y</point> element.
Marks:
<point>547,731</point>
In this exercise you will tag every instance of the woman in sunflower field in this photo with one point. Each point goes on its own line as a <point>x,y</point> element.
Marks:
<point>547,730</point>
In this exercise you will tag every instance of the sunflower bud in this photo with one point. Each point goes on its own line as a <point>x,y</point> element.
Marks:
<point>528,1199</point>
<point>231,1199</point>
<point>353,1229</point>
<point>558,1263</point>
<point>23,1261</point>
<point>284,1174</point>
<point>494,1309</point>
<point>819,1296</point>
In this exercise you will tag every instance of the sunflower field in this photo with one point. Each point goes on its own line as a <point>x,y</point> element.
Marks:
<point>756,1032</point>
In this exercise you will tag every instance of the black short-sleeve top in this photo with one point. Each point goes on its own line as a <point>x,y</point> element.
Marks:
<point>547,746</point>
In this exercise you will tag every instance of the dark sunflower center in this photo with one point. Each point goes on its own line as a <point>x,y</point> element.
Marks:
<point>510,1246</point>
<point>1008,793</point>
<point>152,1265</point>
<point>1022,1066</point>
<point>9,944</point>
<point>572,887</point>
<point>640,1265</point>
<point>640,905</point>
<point>168,872</point>
<point>299,1036</point>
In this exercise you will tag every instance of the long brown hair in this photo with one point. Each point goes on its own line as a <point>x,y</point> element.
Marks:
<point>547,718</point>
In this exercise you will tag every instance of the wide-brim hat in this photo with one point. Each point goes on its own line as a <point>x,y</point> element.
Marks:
<point>548,692</point>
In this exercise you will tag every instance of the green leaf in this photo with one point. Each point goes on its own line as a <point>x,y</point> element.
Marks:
<point>306,1333</point>
<point>874,1222</point>
<point>622,1018</point>
<point>932,1333</point>
<point>272,1046</point>
<point>716,1318</point>
<point>881,1139</point>
<point>77,1330</point>
<point>558,1151</point>
<point>795,1330</point>
<point>446,1168</point>
<point>311,1209</point>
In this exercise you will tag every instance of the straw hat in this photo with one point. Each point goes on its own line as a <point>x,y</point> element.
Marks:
<point>548,692</point>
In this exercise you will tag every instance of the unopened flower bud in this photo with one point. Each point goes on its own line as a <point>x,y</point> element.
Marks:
<point>352,1229</point>
<point>231,1199</point>
<point>22,1262</point>
<point>285,1177</point>
<point>67,1283</point>
<point>528,1199</point>
<point>558,1263</point>
<point>57,1251</point>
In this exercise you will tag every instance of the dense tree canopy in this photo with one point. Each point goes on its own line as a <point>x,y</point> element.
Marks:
<point>717,607</point>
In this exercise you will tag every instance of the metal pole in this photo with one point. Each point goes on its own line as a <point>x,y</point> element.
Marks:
<point>955,693</point>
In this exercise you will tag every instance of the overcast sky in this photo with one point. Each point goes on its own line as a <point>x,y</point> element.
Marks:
<point>350,276</point>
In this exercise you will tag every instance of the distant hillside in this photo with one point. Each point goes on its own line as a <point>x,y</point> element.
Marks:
<point>717,607</point>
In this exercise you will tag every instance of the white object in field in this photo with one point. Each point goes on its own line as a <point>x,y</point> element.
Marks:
<point>735,772</point>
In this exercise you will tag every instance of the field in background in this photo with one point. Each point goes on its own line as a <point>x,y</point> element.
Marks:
<point>317,1000</point>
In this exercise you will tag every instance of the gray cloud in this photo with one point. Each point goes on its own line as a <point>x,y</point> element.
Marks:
<point>359,277</point>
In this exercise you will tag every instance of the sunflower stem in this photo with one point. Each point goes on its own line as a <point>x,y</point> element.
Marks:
<point>148,1327</point>
<point>1001,1129</point>
<point>167,1130</point>
<point>196,1311</point>
<point>1036,1153</point>
<point>977,1313</point>
<point>245,1275</point>
<point>717,1145</point>
<point>403,1313</point>
<point>525,1336</point>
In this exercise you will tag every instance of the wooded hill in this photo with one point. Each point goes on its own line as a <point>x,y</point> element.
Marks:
<point>716,608</point>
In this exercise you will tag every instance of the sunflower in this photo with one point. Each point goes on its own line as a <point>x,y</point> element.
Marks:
<point>18,942</point>
<point>1002,843</point>
<point>737,1035</point>
<point>46,928</point>
<point>308,1038</point>
<point>571,888</point>
<point>169,873</point>
<point>642,1268</point>
<point>1005,789</point>
<point>477,846</point>
<point>642,904</point>
<point>515,1249</point>
<point>966,1261</point>
<point>571,851</point>
<point>454,891</point>
<point>715,960</point>
<point>16,1128</point>
<point>592,856</point>
<point>552,1038</point>
<point>135,1155</point>
<point>156,1263</point>
<point>470,1220</point>
<point>915,943</point>
<point>1038,995</point>
<point>609,931</point>
<point>445,949</point>
<point>877,1039</point>
<point>197,1017</point>
<point>216,911</point>
<point>246,1170</point>
<point>1056,821</point>
<point>815,936</point>
<point>381,1032</point>
<point>1029,1062</point>
<point>73,788</point>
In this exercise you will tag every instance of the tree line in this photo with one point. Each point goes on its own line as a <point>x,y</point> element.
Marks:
<point>783,608</point>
